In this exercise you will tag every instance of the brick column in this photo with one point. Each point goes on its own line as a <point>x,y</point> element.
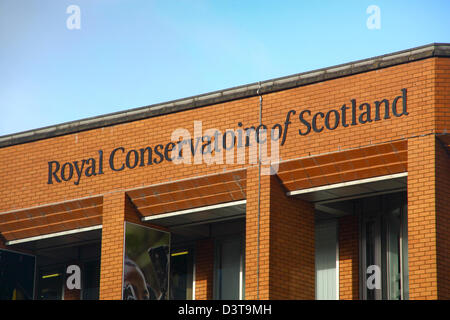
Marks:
<point>204,269</point>
<point>111,267</point>
<point>285,268</point>
<point>257,281</point>
<point>422,251</point>
<point>117,209</point>
<point>348,258</point>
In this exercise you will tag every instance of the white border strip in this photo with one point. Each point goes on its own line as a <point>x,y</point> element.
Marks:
<point>52,235</point>
<point>199,209</point>
<point>337,261</point>
<point>346,184</point>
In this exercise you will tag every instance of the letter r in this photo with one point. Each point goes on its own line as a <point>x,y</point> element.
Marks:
<point>53,173</point>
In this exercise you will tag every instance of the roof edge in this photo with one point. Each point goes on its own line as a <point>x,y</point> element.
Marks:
<point>239,92</point>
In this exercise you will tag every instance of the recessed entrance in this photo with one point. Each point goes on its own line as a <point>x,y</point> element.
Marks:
<point>380,236</point>
<point>53,256</point>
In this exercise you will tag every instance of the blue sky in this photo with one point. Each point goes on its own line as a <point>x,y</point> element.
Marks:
<point>132,53</point>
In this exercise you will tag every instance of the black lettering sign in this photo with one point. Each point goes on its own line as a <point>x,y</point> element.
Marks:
<point>120,158</point>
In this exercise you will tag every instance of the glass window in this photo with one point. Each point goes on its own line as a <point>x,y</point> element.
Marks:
<point>326,257</point>
<point>228,269</point>
<point>384,247</point>
<point>51,282</point>
<point>181,274</point>
<point>91,280</point>
<point>392,226</point>
<point>16,276</point>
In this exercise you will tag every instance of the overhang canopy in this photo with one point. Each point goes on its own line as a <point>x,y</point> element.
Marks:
<point>54,219</point>
<point>345,166</point>
<point>192,200</point>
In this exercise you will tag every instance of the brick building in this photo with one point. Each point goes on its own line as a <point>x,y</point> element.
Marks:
<point>357,205</point>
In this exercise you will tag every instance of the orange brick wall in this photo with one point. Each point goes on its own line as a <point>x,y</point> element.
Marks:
<point>204,274</point>
<point>292,244</point>
<point>422,218</point>
<point>348,258</point>
<point>257,269</point>
<point>285,268</point>
<point>442,99</point>
<point>117,209</point>
<point>111,265</point>
<point>23,178</point>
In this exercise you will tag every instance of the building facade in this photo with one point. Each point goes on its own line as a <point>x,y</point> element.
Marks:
<point>330,184</point>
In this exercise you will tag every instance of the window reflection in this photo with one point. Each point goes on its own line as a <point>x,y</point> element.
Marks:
<point>384,244</point>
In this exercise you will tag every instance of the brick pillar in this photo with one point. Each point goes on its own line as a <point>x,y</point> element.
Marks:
<point>111,266</point>
<point>257,281</point>
<point>422,252</point>
<point>204,269</point>
<point>286,242</point>
<point>348,258</point>
<point>117,209</point>
<point>443,221</point>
